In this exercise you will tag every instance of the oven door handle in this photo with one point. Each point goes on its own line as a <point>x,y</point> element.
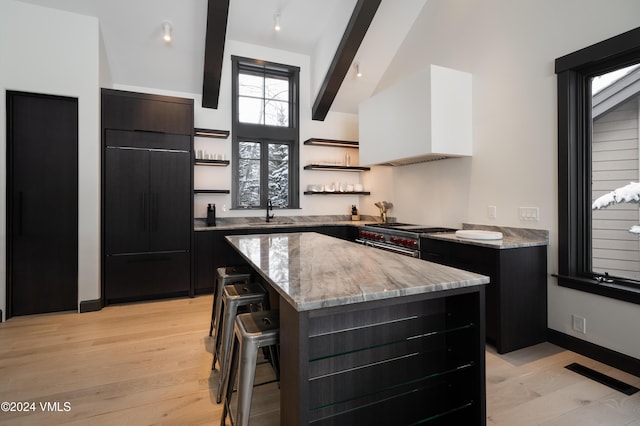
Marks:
<point>399,250</point>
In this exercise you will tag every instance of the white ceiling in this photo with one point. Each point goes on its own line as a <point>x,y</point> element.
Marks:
<point>130,31</point>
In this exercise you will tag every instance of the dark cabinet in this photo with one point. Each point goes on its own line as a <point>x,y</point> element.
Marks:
<point>140,111</point>
<point>147,199</point>
<point>204,268</point>
<point>516,297</point>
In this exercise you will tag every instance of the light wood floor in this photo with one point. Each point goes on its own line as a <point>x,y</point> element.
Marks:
<point>149,363</point>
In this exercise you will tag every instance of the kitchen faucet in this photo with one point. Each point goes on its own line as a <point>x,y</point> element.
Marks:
<point>269,207</point>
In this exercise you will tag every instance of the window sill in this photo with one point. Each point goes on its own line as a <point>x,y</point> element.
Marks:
<point>612,290</point>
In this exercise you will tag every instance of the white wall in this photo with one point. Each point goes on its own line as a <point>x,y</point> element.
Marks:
<point>335,126</point>
<point>509,47</point>
<point>53,52</point>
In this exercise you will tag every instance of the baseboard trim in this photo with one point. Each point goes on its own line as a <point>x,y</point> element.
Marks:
<point>607,356</point>
<point>90,305</point>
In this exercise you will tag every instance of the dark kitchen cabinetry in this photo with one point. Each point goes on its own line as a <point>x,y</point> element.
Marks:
<point>408,360</point>
<point>147,197</point>
<point>144,112</point>
<point>516,297</point>
<point>204,268</point>
<point>146,207</point>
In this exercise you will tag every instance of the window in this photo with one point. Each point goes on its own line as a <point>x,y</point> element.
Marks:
<point>598,153</point>
<point>265,134</point>
<point>615,251</point>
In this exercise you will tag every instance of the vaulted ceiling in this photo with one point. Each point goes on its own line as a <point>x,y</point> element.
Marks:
<point>131,30</point>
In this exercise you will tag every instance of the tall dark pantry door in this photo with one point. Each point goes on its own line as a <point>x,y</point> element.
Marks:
<point>42,203</point>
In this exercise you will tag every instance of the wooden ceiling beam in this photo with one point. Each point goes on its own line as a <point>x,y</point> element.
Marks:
<point>361,18</point>
<point>217,14</point>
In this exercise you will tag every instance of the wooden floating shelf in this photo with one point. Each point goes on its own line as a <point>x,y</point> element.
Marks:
<point>332,142</point>
<point>337,168</point>
<point>211,133</point>
<point>202,162</point>
<point>337,193</point>
<point>211,191</point>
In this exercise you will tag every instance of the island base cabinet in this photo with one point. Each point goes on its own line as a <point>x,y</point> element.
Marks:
<point>401,362</point>
<point>149,275</point>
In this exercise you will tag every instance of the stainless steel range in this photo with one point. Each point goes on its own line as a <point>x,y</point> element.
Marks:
<point>402,238</point>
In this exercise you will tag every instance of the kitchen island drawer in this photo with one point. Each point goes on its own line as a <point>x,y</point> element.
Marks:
<point>143,276</point>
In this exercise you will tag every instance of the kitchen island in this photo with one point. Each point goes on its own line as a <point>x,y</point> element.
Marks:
<point>371,337</point>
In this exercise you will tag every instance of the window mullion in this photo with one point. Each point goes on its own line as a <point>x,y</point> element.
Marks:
<point>264,174</point>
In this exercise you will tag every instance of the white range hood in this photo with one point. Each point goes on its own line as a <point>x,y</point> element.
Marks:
<point>424,117</point>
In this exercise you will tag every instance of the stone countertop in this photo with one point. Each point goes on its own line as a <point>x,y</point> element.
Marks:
<point>512,237</point>
<point>257,223</point>
<point>314,271</point>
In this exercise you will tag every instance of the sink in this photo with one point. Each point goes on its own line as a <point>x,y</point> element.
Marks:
<point>478,234</point>
<point>270,223</point>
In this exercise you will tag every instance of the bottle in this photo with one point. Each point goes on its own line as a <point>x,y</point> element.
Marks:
<point>347,159</point>
<point>211,215</point>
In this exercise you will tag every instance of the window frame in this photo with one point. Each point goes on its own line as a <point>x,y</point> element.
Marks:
<point>266,134</point>
<point>574,72</point>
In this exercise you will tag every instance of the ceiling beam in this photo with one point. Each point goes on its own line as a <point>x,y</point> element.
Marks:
<point>217,14</point>
<point>361,18</point>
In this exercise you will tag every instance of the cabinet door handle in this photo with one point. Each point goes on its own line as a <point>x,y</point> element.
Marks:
<point>155,211</point>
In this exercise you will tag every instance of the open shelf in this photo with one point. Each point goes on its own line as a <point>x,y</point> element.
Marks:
<point>332,142</point>
<point>202,162</point>
<point>211,191</point>
<point>211,133</point>
<point>336,168</point>
<point>337,193</point>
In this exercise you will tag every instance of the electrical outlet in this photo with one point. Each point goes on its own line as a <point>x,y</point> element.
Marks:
<point>491,212</point>
<point>579,324</point>
<point>529,213</point>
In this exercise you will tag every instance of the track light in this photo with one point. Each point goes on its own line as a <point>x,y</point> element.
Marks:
<point>358,73</point>
<point>276,22</point>
<point>167,35</point>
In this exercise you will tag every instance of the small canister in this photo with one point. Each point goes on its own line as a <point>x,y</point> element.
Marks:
<point>211,215</point>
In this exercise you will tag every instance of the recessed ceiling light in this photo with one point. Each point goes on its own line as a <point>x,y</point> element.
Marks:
<point>276,22</point>
<point>167,31</point>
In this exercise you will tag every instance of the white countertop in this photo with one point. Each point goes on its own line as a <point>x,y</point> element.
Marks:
<point>313,271</point>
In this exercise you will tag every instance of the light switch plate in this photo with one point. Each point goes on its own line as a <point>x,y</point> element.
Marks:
<point>529,213</point>
<point>491,212</point>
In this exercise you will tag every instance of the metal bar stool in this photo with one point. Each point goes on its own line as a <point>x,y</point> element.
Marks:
<point>225,275</point>
<point>253,331</point>
<point>234,296</point>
